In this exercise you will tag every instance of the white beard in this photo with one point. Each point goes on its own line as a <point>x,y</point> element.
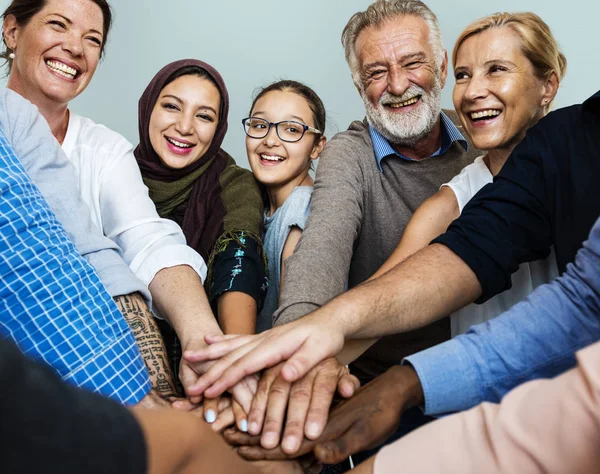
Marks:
<point>406,128</point>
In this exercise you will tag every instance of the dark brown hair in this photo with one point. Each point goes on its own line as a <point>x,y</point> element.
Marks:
<point>314,101</point>
<point>24,10</point>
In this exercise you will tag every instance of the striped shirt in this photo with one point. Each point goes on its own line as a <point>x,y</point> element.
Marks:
<point>450,134</point>
<point>52,303</point>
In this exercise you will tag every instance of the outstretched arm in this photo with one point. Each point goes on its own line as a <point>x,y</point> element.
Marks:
<point>429,221</point>
<point>430,284</point>
<point>549,426</point>
<point>318,269</point>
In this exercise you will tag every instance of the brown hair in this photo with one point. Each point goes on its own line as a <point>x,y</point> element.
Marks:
<point>24,10</point>
<point>537,42</point>
<point>314,101</point>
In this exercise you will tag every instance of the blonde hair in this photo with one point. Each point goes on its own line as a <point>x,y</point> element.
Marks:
<point>380,12</point>
<point>537,42</point>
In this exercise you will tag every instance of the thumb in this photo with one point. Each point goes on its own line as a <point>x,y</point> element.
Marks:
<point>347,385</point>
<point>188,378</point>
<point>335,451</point>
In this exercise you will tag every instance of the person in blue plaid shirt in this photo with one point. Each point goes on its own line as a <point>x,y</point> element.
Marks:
<point>52,302</point>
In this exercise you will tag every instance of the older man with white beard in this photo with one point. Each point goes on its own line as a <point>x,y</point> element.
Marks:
<point>372,177</point>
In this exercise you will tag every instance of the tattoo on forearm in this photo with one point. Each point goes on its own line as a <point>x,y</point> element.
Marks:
<point>149,341</point>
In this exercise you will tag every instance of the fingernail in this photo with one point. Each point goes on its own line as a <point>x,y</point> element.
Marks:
<point>290,372</point>
<point>254,428</point>
<point>313,429</point>
<point>211,416</point>
<point>270,440</point>
<point>244,426</point>
<point>290,444</point>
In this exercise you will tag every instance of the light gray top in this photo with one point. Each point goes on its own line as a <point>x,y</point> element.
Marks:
<point>30,137</point>
<point>357,217</point>
<point>293,213</point>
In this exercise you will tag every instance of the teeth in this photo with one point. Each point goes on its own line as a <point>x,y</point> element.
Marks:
<point>62,69</point>
<point>271,158</point>
<point>485,113</point>
<point>405,103</point>
<point>179,144</point>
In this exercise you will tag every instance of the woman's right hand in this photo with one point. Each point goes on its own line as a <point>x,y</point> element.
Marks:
<point>243,392</point>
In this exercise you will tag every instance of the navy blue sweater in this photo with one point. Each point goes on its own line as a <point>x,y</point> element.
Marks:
<point>547,194</point>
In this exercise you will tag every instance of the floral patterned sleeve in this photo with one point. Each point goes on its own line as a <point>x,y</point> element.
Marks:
<point>240,266</point>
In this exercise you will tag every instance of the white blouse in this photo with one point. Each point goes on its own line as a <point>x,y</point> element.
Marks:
<point>111,184</point>
<point>529,275</point>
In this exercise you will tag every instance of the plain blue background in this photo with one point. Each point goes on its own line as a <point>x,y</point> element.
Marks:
<point>304,38</point>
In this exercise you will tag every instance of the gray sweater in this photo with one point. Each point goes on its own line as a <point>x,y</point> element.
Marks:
<point>32,141</point>
<point>357,217</point>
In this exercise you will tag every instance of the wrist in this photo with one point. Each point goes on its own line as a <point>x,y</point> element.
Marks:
<point>333,318</point>
<point>406,384</point>
<point>193,338</point>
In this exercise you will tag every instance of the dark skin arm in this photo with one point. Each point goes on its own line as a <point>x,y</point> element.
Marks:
<point>362,422</point>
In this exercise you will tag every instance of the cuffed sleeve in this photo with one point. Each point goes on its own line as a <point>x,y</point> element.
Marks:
<point>536,338</point>
<point>448,376</point>
<point>489,243</point>
<point>239,267</point>
<point>167,256</point>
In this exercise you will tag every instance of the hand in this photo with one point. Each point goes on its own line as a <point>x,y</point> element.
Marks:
<point>362,422</point>
<point>278,467</point>
<point>243,391</point>
<point>230,412</point>
<point>306,465</point>
<point>307,401</point>
<point>303,344</point>
<point>224,412</point>
<point>153,401</point>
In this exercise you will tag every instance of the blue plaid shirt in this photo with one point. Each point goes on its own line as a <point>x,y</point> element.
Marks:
<point>52,303</point>
<point>450,134</point>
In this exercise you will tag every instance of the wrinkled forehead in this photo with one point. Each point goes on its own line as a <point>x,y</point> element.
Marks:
<point>83,14</point>
<point>396,37</point>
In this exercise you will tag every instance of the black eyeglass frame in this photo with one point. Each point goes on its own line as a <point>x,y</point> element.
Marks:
<point>305,128</point>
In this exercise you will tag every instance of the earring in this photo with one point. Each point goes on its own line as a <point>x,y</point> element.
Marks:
<point>11,55</point>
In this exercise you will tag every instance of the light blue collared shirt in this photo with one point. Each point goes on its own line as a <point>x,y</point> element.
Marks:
<point>536,338</point>
<point>450,134</point>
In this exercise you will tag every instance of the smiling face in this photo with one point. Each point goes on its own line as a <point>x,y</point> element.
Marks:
<point>401,82</point>
<point>273,161</point>
<point>57,52</point>
<point>497,94</point>
<point>184,120</point>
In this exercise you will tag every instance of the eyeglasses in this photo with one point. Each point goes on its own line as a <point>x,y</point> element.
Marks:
<point>288,131</point>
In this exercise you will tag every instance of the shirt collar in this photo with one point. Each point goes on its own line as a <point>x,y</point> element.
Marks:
<point>450,134</point>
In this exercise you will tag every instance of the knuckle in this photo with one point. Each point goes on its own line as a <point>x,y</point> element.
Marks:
<point>301,392</point>
<point>279,390</point>
<point>272,423</point>
<point>294,427</point>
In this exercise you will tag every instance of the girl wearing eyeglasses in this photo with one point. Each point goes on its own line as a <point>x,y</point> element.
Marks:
<point>284,134</point>
<point>194,182</point>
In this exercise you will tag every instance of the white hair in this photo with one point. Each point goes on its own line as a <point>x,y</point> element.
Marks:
<point>380,12</point>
